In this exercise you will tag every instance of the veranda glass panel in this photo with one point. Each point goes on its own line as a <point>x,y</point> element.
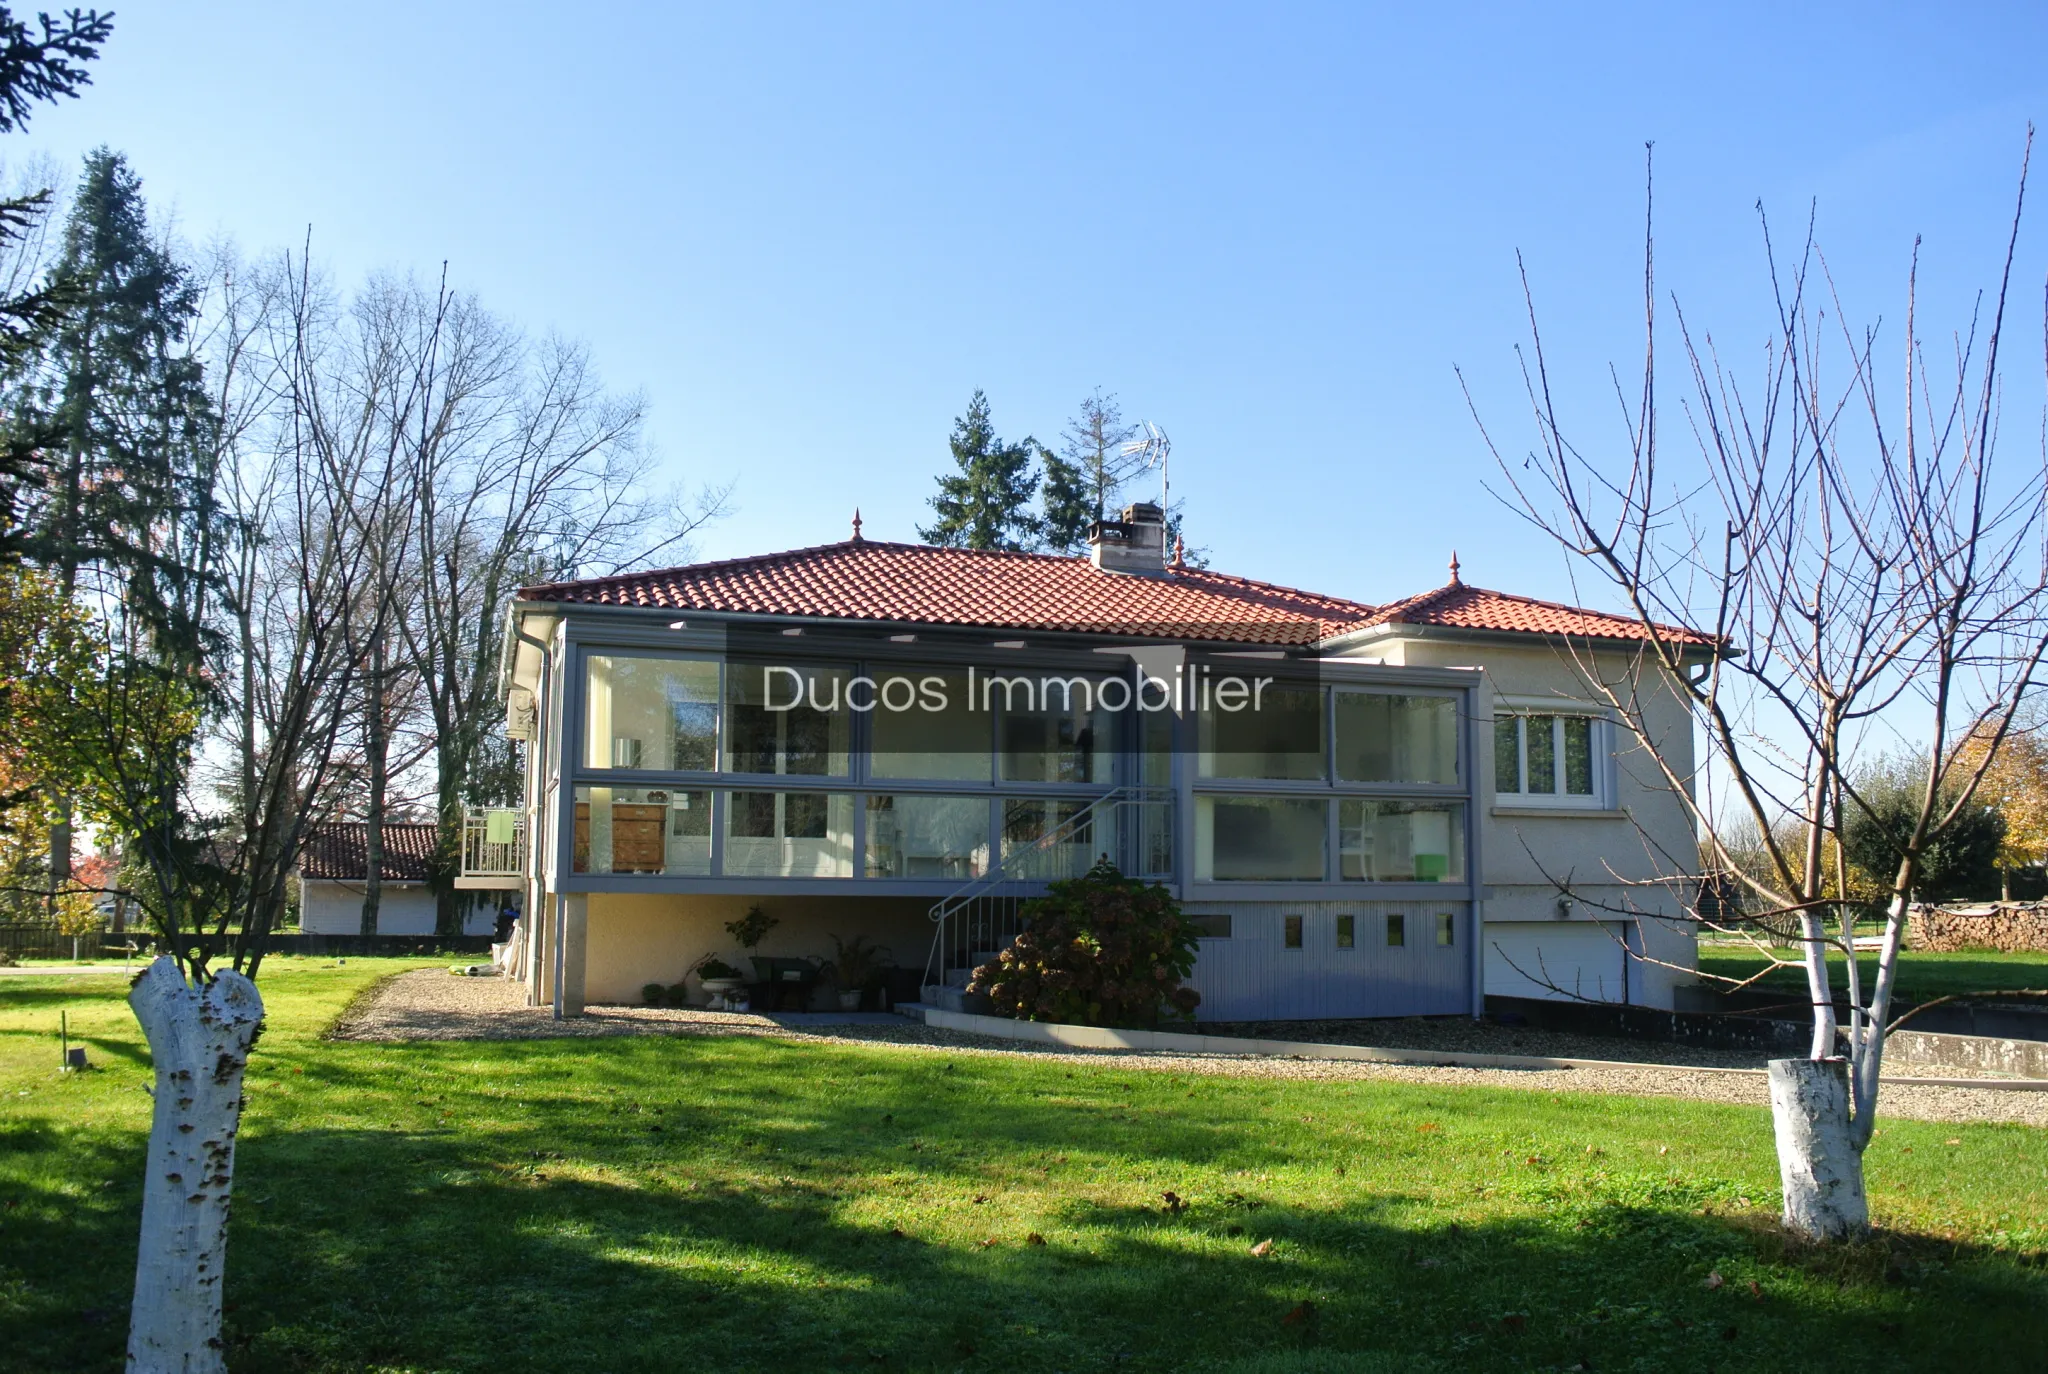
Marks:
<point>1276,731</point>
<point>1053,729</point>
<point>927,837</point>
<point>659,713</point>
<point>1384,738</point>
<point>789,835</point>
<point>642,830</point>
<point>787,719</point>
<point>1260,839</point>
<point>927,725</point>
<point>1043,839</point>
<point>1401,842</point>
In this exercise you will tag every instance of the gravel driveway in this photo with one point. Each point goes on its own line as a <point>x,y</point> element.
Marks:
<point>431,1004</point>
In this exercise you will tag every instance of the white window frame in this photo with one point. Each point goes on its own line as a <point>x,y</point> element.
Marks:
<point>1602,744</point>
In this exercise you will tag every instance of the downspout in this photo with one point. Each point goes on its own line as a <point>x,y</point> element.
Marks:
<point>1474,829</point>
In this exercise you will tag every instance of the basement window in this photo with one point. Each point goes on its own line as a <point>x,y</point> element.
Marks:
<point>1292,927</point>
<point>1397,929</point>
<point>1347,932</point>
<point>1446,927</point>
<point>1211,926</point>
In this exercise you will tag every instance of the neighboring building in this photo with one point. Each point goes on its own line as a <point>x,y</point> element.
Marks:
<point>334,868</point>
<point>1365,806</point>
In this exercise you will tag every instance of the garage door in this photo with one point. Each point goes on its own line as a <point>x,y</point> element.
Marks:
<point>1559,960</point>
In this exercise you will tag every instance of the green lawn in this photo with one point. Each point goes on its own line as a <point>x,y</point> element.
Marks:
<point>662,1204</point>
<point>1921,975</point>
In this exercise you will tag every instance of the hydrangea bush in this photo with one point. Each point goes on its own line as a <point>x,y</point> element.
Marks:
<point>1098,950</point>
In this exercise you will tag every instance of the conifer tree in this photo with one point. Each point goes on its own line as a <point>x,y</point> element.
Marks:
<point>986,504</point>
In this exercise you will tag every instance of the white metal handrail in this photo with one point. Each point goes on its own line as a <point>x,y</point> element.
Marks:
<point>486,857</point>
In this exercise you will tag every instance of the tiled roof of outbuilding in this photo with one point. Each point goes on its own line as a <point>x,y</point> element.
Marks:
<point>340,851</point>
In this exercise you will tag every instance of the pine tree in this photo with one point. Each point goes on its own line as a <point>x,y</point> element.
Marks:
<point>119,408</point>
<point>124,406</point>
<point>1068,502</point>
<point>987,503</point>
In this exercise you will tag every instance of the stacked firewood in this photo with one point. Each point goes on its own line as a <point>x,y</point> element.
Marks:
<point>2012,927</point>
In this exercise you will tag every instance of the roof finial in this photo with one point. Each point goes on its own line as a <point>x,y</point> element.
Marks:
<point>1180,551</point>
<point>1454,567</point>
<point>856,524</point>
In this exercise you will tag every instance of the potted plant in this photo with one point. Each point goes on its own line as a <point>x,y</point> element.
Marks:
<point>721,981</point>
<point>855,963</point>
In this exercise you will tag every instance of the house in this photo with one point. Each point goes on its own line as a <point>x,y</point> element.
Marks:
<point>1368,808</point>
<point>334,869</point>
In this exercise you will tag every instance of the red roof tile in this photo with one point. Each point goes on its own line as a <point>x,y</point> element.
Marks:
<point>340,851</point>
<point>1462,607</point>
<point>864,579</point>
<point>918,584</point>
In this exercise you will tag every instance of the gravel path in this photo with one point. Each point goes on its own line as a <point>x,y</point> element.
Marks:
<point>430,1004</point>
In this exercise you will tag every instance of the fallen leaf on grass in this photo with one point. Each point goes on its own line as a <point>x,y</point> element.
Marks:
<point>1429,1126</point>
<point>1957,1141</point>
<point>1302,1312</point>
<point>1175,1204</point>
<point>989,1244</point>
<point>1431,1263</point>
<point>1034,1239</point>
<point>1714,1280</point>
<point>1262,1249</point>
<point>1756,1290</point>
<point>980,1198</point>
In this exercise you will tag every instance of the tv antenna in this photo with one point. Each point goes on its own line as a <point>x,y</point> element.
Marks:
<point>1153,451</point>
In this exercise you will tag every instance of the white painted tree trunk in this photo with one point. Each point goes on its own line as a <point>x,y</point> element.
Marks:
<point>199,1039</point>
<point>1819,1162</point>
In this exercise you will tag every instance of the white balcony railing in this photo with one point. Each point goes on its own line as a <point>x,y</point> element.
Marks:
<point>493,848</point>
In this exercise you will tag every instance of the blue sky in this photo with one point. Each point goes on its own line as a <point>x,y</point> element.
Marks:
<point>808,233</point>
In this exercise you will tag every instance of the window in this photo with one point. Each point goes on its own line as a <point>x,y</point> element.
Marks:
<point>1291,931</point>
<point>1397,929</point>
<point>1260,839</point>
<point>1275,733</point>
<point>1029,820</point>
<point>1211,926</point>
<point>1400,842</point>
<point>1549,760</point>
<point>1052,729</point>
<point>787,720</point>
<point>651,713</point>
<point>926,726</point>
<point>642,830</point>
<point>1445,926</point>
<point>1386,738</point>
<point>1347,931</point>
<point>788,835</point>
<point>927,837</point>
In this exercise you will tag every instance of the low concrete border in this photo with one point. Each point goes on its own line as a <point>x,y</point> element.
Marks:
<point>1170,1042</point>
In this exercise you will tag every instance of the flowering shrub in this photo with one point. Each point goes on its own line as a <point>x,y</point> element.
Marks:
<point>1099,950</point>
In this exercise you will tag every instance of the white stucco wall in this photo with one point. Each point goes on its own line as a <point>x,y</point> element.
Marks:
<point>332,908</point>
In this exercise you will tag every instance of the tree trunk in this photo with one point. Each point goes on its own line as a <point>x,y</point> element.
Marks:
<point>199,1039</point>
<point>1818,1161</point>
<point>376,748</point>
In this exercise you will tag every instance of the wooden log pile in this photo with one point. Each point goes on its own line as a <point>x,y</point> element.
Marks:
<point>2010,927</point>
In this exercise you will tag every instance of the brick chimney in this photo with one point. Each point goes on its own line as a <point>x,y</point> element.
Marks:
<point>1134,544</point>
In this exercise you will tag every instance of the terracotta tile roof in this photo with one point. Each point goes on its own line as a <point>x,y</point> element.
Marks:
<point>340,851</point>
<point>864,579</point>
<point>918,584</point>
<point>1459,606</point>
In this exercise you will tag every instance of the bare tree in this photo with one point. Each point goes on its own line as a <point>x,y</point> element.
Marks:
<point>1862,569</point>
<point>305,476</point>
<point>527,471</point>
